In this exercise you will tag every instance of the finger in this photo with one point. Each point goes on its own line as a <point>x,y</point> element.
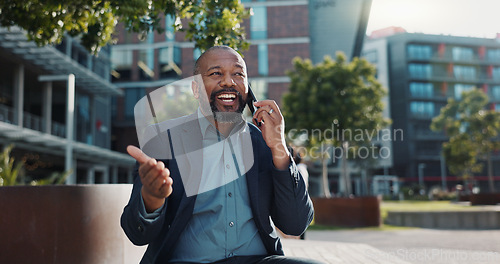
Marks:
<point>166,189</point>
<point>137,154</point>
<point>263,109</point>
<point>162,182</point>
<point>146,168</point>
<point>267,119</point>
<point>263,114</point>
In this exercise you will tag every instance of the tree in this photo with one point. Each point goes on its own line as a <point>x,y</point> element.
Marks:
<point>212,22</point>
<point>336,98</point>
<point>472,131</point>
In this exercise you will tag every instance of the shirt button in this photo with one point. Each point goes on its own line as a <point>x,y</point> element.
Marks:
<point>231,224</point>
<point>227,166</point>
<point>230,194</point>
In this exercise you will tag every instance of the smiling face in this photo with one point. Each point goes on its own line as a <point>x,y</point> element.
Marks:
<point>224,77</point>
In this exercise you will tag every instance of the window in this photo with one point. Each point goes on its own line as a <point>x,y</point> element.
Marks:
<point>146,64</point>
<point>496,73</point>
<point>169,60</point>
<point>371,56</point>
<point>420,70</point>
<point>462,53</point>
<point>419,51</point>
<point>169,28</point>
<point>121,63</point>
<point>421,89</point>
<point>464,72</point>
<point>258,23</point>
<point>495,92</point>
<point>422,109</point>
<point>132,96</point>
<point>263,60</point>
<point>460,88</point>
<point>83,117</point>
<point>196,54</point>
<point>493,54</point>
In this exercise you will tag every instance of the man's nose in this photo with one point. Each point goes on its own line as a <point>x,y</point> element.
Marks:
<point>227,81</point>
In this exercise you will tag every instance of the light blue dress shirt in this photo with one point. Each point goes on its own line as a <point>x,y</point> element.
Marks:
<point>222,224</point>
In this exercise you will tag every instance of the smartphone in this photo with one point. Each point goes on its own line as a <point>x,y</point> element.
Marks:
<point>251,99</point>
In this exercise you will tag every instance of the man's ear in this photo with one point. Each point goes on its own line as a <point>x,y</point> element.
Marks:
<point>196,89</point>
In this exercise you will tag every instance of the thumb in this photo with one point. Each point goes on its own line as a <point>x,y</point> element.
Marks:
<point>137,154</point>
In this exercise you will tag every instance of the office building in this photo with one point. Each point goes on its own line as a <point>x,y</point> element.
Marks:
<point>55,107</point>
<point>278,32</point>
<point>423,71</point>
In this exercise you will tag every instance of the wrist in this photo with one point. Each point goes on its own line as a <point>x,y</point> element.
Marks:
<point>281,156</point>
<point>151,203</point>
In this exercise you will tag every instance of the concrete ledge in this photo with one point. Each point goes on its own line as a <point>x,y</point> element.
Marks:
<point>65,224</point>
<point>489,219</point>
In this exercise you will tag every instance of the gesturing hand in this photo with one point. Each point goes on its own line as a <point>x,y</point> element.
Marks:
<point>155,178</point>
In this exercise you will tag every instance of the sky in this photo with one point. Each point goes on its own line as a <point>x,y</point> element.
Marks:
<point>471,18</point>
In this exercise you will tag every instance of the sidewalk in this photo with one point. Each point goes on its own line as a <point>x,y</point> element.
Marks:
<point>338,252</point>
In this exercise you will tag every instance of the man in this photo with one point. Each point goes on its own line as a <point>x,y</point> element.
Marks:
<point>232,221</point>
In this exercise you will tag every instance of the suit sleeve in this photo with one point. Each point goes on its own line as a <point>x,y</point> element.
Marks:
<point>139,227</point>
<point>292,210</point>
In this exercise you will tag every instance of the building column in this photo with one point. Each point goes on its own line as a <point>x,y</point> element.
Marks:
<point>47,107</point>
<point>70,118</point>
<point>19,95</point>
<point>105,175</point>
<point>114,174</point>
<point>90,175</point>
<point>92,116</point>
<point>130,176</point>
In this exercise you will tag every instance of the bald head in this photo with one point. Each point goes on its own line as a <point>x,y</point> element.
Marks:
<point>199,61</point>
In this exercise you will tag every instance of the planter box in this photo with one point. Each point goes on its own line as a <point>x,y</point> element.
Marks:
<point>464,198</point>
<point>65,224</point>
<point>485,199</point>
<point>347,212</point>
<point>484,219</point>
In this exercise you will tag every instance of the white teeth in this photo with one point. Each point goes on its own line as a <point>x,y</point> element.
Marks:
<point>227,96</point>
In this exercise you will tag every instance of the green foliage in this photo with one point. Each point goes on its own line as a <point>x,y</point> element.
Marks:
<point>335,93</point>
<point>472,131</point>
<point>345,94</point>
<point>213,22</point>
<point>9,171</point>
<point>413,193</point>
<point>54,178</point>
<point>461,154</point>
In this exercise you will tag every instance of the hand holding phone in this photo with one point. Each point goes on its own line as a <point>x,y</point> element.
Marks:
<point>251,99</point>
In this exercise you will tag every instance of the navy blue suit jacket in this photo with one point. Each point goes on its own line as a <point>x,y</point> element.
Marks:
<point>276,198</point>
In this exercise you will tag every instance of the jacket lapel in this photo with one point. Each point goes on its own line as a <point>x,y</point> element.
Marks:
<point>253,179</point>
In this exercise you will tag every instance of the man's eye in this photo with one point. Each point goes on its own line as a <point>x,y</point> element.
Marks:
<point>214,73</point>
<point>239,74</point>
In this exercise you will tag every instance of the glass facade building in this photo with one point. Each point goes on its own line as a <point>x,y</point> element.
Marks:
<point>423,71</point>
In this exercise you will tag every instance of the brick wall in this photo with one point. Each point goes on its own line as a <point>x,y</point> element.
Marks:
<point>276,90</point>
<point>251,57</point>
<point>281,56</point>
<point>187,62</point>
<point>286,22</point>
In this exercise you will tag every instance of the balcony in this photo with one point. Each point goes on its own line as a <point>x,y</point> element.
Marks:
<point>30,121</point>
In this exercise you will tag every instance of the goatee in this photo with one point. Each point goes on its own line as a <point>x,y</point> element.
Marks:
<point>230,116</point>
